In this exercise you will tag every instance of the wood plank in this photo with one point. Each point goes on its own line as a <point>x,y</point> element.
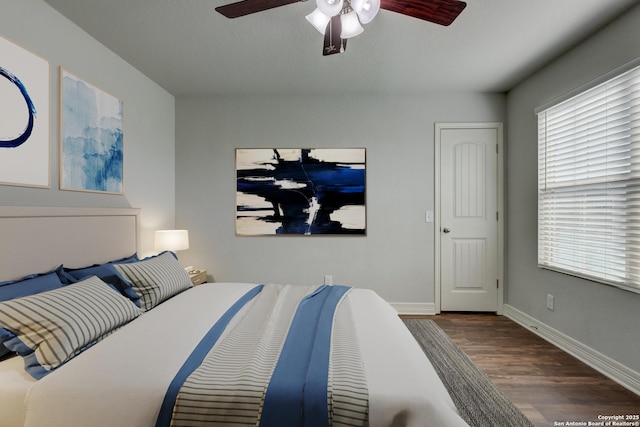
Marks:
<point>545,383</point>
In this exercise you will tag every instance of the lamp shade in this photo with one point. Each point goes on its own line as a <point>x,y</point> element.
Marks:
<point>171,240</point>
<point>319,20</point>
<point>350,25</point>
<point>330,7</point>
<point>366,9</point>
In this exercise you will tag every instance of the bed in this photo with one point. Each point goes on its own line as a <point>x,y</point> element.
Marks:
<point>174,354</point>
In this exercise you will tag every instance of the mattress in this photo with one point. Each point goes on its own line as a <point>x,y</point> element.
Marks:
<point>14,386</point>
<point>122,380</point>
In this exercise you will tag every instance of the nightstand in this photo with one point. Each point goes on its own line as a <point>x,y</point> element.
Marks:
<point>198,277</point>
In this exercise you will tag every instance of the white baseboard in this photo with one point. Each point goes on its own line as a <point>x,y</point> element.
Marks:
<point>410,308</point>
<point>616,371</point>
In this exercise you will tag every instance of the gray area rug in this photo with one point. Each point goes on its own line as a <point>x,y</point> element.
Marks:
<point>478,400</point>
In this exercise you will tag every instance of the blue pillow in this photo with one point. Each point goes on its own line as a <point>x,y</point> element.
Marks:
<point>72,275</point>
<point>107,274</point>
<point>31,284</point>
<point>28,285</point>
<point>5,353</point>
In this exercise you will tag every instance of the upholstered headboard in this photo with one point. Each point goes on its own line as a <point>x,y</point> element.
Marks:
<point>38,239</point>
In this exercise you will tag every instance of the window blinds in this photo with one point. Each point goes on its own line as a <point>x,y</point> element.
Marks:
<point>589,183</point>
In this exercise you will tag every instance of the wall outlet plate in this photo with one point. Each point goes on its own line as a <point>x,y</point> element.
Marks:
<point>550,302</point>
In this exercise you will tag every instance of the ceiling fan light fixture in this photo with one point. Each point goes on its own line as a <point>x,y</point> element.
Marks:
<point>330,7</point>
<point>350,25</point>
<point>342,19</point>
<point>319,20</point>
<point>366,9</point>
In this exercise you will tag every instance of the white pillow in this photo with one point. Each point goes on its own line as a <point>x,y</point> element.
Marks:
<point>155,279</point>
<point>50,328</point>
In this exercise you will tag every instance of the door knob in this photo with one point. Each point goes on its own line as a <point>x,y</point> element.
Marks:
<point>446,230</point>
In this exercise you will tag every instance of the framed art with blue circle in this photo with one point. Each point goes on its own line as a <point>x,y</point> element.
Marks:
<point>24,117</point>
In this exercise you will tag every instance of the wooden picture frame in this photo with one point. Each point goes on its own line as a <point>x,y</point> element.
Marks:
<point>91,137</point>
<point>283,191</point>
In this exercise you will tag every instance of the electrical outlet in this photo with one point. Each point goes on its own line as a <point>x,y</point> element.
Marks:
<point>550,302</point>
<point>328,280</point>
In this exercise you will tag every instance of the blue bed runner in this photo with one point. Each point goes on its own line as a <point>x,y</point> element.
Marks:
<point>296,394</point>
<point>198,355</point>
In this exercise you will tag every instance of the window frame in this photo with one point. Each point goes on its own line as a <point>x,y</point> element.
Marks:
<point>614,183</point>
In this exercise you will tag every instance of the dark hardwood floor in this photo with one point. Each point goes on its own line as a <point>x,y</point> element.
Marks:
<point>548,385</point>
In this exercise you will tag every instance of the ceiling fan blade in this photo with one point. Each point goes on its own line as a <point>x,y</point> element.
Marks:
<point>247,7</point>
<point>332,42</point>
<point>442,12</point>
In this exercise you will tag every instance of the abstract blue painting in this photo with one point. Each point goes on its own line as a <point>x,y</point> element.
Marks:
<point>24,117</point>
<point>284,191</point>
<point>91,155</point>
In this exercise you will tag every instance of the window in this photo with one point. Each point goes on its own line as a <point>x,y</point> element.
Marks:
<point>589,183</point>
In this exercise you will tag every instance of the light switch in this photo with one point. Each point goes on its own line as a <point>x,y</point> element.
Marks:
<point>428,216</point>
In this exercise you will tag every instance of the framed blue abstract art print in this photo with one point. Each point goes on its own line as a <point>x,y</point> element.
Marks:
<point>91,137</point>
<point>284,191</point>
<point>24,117</point>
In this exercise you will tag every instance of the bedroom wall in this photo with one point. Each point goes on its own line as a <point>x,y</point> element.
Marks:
<point>149,128</point>
<point>601,317</point>
<point>396,258</point>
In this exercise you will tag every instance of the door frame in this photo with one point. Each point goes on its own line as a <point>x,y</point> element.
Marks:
<point>500,204</point>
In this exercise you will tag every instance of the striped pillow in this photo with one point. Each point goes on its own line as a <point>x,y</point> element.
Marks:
<point>50,328</point>
<point>155,279</point>
<point>28,285</point>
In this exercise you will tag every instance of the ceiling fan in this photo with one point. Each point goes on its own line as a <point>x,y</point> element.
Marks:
<point>335,18</point>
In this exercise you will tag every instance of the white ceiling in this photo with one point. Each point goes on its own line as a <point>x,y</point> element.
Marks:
<point>190,49</point>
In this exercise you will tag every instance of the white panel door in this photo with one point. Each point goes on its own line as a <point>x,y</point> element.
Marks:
<point>468,223</point>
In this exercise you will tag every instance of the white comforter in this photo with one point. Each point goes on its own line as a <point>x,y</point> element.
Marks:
<point>122,380</point>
